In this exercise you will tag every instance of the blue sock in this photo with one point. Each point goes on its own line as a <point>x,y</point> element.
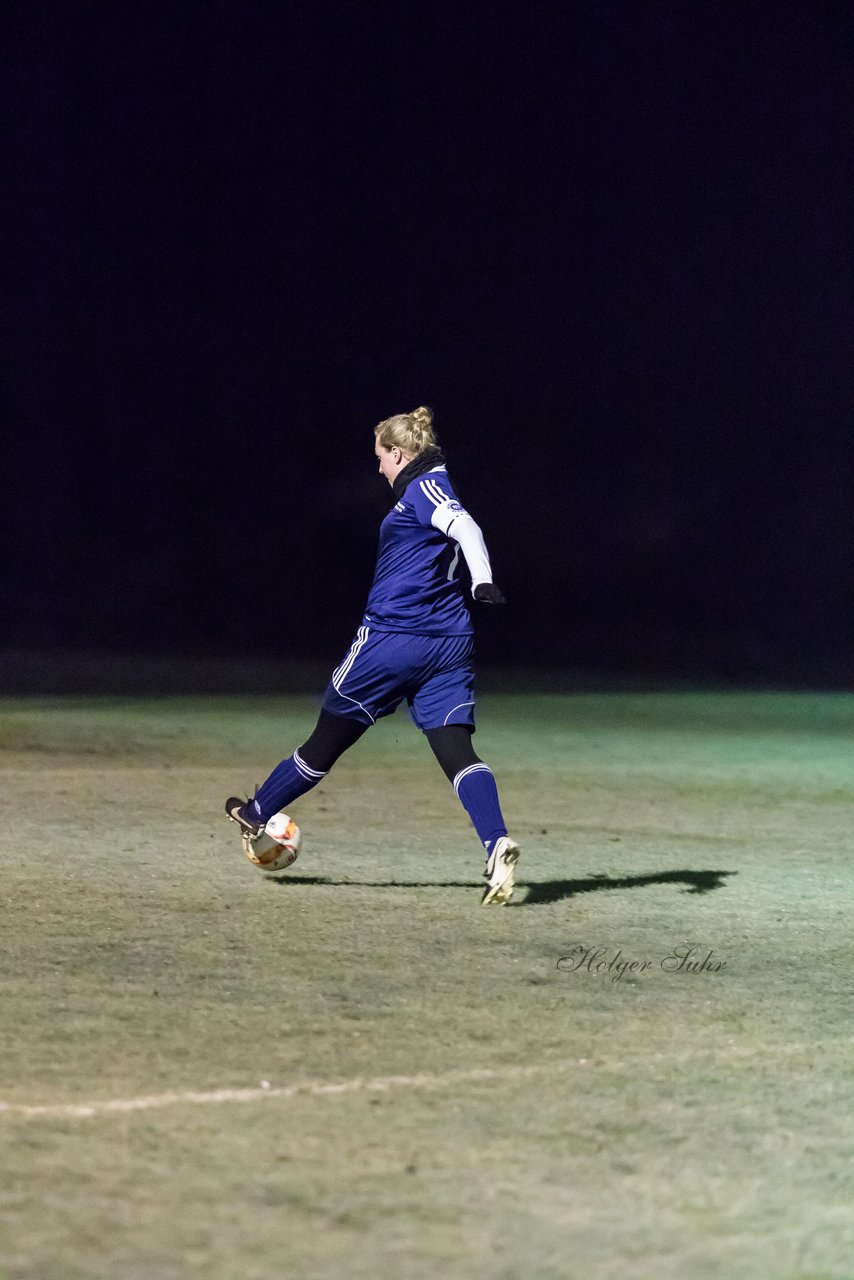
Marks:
<point>476,790</point>
<point>288,780</point>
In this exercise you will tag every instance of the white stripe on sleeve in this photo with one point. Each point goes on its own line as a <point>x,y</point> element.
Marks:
<point>429,494</point>
<point>437,493</point>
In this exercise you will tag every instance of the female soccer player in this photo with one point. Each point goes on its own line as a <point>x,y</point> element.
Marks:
<point>415,642</point>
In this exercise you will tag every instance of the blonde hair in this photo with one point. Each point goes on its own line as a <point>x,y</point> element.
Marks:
<point>411,432</point>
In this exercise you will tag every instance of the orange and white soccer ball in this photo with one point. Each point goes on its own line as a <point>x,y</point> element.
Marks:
<point>277,847</point>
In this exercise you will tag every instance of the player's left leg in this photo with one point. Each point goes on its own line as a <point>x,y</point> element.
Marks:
<point>472,780</point>
<point>475,787</point>
<point>443,707</point>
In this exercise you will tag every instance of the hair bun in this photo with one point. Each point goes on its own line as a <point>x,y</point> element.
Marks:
<point>422,416</point>
<point>411,432</point>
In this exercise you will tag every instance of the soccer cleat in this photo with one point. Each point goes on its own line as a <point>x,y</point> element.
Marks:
<point>250,828</point>
<point>500,872</point>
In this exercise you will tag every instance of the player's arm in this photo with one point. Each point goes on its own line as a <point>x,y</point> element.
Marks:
<point>455,522</point>
<point>436,504</point>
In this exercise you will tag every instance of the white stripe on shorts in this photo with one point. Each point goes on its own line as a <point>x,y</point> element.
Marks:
<point>456,708</point>
<point>358,644</point>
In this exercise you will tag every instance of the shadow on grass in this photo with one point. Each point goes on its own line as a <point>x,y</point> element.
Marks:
<point>537,894</point>
<point>693,881</point>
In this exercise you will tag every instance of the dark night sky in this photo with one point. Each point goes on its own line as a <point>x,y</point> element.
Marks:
<point>607,242</point>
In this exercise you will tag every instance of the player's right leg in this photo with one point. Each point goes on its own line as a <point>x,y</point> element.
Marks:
<point>292,778</point>
<point>363,688</point>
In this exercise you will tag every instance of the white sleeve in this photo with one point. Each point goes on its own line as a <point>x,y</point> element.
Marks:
<point>455,522</point>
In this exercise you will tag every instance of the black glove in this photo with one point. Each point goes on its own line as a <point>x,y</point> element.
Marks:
<point>488,593</point>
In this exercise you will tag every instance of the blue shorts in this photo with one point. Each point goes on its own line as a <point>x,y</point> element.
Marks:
<point>434,673</point>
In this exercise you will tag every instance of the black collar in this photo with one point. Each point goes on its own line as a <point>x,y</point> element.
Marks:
<point>426,460</point>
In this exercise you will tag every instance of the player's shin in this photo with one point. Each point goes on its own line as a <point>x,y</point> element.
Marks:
<point>476,788</point>
<point>289,780</point>
<point>478,794</point>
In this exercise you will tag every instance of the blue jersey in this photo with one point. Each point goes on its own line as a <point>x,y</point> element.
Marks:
<point>416,587</point>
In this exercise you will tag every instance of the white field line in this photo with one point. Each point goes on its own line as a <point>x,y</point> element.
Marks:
<point>308,1088</point>
<point>382,1084</point>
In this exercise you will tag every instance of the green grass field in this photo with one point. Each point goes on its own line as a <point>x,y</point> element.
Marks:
<point>361,1074</point>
